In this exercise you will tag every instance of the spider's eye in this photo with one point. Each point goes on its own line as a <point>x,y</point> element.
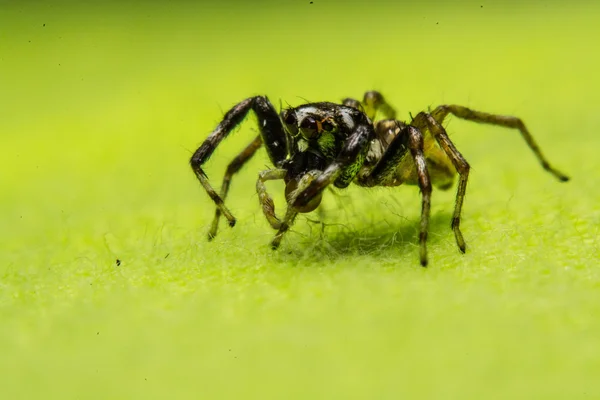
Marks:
<point>309,123</point>
<point>308,127</point>
<point>289,119</point>
<point>328,126</point>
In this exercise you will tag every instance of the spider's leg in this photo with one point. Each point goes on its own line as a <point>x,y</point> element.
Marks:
<point>266,202</point>
<point>288,220</point>
<point>343,169</point>
<point>426,121</point>
<point>271,133</point>
<point>233,167</point>
<point>291,212</point>
<point>350,102</point>
<point>396,147</point>
<point>501,120</point>
<point>409,138</point>
<point>415,144</point>
<point>373,101</point>
<point>340,172</point>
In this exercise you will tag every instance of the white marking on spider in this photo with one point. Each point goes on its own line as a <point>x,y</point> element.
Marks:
<point>305,111</point>
<point>347,118</point>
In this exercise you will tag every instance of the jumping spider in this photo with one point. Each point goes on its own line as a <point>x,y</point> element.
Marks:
<point>318,144</point>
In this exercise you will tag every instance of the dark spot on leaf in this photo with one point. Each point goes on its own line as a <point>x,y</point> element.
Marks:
<point>118,262</point>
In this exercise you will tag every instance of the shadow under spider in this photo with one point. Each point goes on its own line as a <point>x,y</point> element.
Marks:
<point>385,238</point>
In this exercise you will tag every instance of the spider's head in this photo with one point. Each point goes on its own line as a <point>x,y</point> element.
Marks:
<point>309,121</point>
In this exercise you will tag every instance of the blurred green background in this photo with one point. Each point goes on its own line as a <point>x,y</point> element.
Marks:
<point>101,106</point>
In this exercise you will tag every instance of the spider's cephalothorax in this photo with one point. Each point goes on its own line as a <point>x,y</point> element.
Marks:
<point>318,144</point>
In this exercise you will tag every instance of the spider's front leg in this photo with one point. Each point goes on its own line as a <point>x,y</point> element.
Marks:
<point>271,133</point>
<point>266,202</point>
<point>344,168</point>
<point>341,172</point>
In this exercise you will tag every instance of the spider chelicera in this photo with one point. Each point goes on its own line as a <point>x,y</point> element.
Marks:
<point>318,144</point>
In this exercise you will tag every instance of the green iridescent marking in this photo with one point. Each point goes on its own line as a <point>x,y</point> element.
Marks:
<point>326,144</point>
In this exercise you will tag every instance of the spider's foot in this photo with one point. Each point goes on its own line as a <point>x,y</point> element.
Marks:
<point>460,241</point>
<point>213,228</point>
<point>212,233</point>
<point>228,215</point>
<point>276,242</point>
<point>559,175</point>
<point>423,251</point>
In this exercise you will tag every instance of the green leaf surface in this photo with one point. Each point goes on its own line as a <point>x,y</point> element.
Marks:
<point>101,107</point>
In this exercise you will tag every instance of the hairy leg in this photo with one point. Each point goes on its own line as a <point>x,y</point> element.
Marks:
<point>271,133</point>
<point>373,102</point>
<point>408,139</point>
<point>291,213</point>
<point>234,166</point>
<point>506,121</point>
<point>425,121</point>
<point>266,202</point>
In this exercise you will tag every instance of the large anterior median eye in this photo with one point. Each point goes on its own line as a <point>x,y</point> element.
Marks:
<point>308,127</point>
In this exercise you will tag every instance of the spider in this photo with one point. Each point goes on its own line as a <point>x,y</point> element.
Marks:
<point>318,144</point>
